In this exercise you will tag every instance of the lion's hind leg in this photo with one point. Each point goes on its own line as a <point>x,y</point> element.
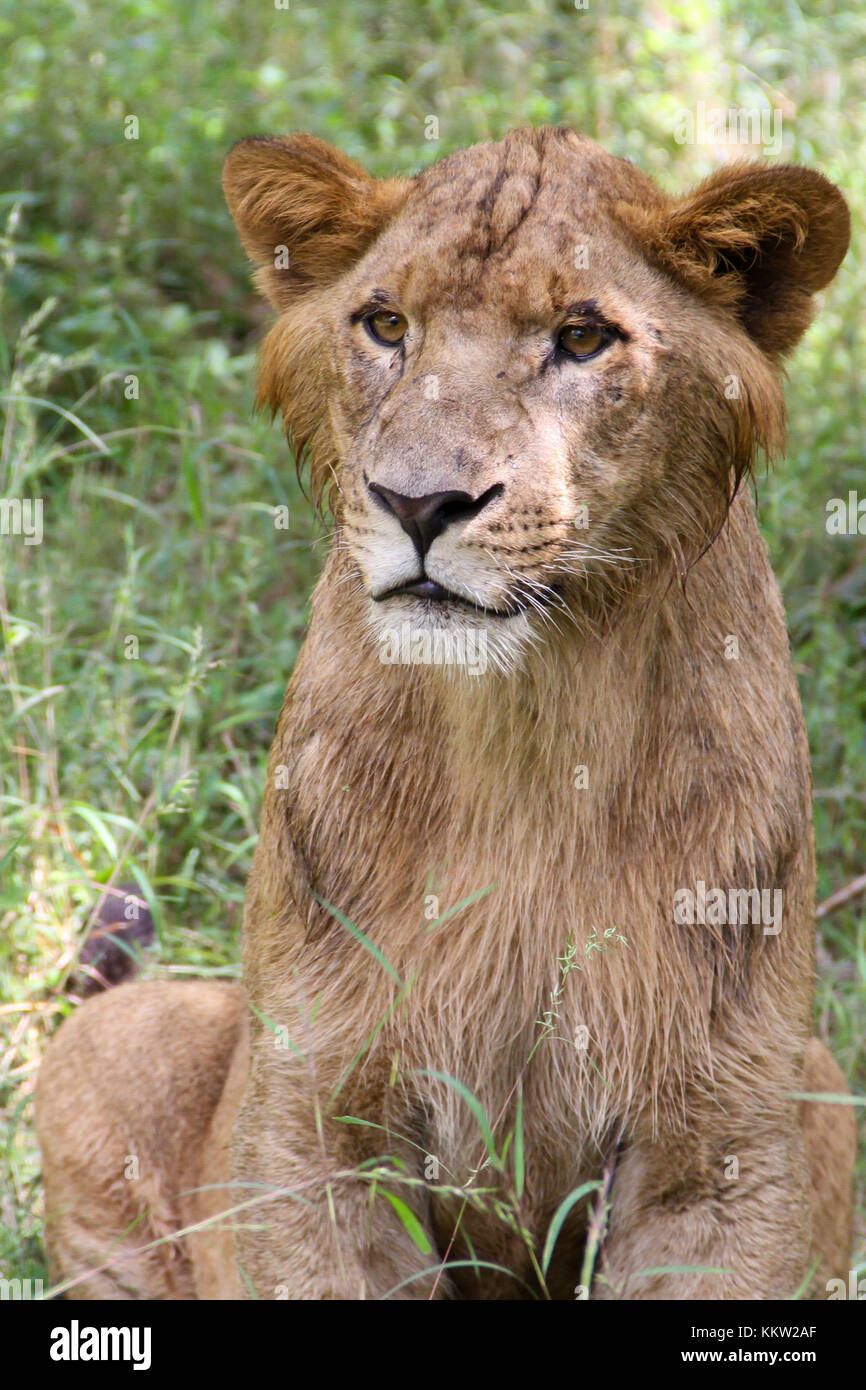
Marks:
<point>830,1135</point>
<point>125,1104</point>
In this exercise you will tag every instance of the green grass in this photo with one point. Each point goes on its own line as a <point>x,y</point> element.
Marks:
<point>117,260</point>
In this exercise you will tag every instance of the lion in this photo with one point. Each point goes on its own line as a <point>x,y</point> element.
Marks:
<point>529,932</point>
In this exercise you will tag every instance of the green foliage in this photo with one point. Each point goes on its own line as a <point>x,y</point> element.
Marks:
<point>118,262</point>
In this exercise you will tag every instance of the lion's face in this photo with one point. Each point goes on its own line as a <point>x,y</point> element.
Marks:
<point>535,382</point>
<point>497,405</point>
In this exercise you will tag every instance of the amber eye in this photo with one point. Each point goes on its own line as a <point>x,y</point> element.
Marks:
<point>387,326</point>
<point>580,340</point>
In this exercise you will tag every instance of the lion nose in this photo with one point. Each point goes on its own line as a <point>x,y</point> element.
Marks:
<point>425,518</point>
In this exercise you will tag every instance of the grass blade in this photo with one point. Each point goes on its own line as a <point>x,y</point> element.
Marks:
<point>559,1216</point>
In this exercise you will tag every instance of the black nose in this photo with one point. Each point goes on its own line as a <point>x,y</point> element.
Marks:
<point>425,518</point>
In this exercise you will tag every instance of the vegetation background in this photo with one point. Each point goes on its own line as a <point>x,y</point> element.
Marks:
<point>117,259</point>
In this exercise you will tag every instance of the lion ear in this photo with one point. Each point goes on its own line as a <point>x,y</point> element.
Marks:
<point>762,239</point>
<point>304,211</point>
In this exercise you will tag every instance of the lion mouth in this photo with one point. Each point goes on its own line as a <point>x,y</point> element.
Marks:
<point>435,593</point>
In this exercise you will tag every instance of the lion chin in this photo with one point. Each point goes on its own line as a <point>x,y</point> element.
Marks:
<point>452,639</point>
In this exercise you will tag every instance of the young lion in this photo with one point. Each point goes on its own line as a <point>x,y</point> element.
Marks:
<point>537,819</point>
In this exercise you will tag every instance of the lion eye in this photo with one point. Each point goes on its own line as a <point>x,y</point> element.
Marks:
<point>581,341</point>
<point>387,326</point>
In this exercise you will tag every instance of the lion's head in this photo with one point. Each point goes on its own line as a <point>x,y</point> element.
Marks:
<point>529,380</point>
